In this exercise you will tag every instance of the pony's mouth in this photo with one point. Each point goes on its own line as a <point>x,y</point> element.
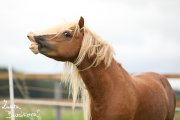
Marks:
<point>34,48</point>
<point>39,43</point>
<point>34,45</point>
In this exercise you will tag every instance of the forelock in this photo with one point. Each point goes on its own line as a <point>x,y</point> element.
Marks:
<point>57,29</point>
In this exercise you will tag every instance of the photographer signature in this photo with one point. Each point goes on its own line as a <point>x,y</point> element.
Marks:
<point>7,108</point>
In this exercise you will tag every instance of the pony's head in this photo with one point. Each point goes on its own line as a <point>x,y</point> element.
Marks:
<point>71,42</point>
<point>61,43</point>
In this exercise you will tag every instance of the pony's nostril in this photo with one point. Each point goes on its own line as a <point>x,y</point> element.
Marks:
<point>30,36</point>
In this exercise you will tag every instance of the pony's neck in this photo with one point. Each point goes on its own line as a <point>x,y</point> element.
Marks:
<point>101,80</point>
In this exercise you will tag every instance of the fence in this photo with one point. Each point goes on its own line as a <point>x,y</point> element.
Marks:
<point>54,77</point>
<point>57,102</point>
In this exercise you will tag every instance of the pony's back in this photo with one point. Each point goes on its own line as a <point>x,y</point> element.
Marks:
<point>155,89</point>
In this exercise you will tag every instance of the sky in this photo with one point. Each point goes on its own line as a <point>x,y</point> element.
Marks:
<point>145,34</point>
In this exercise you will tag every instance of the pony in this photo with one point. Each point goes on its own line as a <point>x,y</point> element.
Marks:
<point>107,90</point>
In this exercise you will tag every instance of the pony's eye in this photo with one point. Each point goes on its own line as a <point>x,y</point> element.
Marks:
<point>67,34</point>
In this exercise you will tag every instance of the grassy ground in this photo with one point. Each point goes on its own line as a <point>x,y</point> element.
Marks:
<point>48,113</point>
<point>42,113</point>
<point>177,116</point>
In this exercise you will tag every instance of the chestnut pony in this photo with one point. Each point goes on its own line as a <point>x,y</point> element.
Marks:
<point>107,90</point>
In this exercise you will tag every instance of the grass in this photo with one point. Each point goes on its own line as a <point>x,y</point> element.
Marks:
<point>43,113</point>
<point>67,114</point>
<point>177,116</point>
<point>48,113</point>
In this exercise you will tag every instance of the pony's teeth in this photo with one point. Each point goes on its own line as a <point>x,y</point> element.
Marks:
<point>34,48</point>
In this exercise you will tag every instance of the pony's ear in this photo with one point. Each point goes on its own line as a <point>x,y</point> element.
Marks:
<point>81,24</point>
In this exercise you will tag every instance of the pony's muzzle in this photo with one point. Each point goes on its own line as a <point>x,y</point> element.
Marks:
<point>39,39</point>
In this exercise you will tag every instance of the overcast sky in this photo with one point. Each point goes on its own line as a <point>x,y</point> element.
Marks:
<point>144,33</point>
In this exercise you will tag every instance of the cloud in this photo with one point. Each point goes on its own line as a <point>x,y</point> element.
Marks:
<point>142,32</point>
<point>175,83</point>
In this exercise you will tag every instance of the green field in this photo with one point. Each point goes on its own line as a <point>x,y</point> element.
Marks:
<point>48,113</point>
<point>42,113</point>
<point>177,116</point>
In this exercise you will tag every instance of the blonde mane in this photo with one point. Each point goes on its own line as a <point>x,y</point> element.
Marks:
<point>92,45</point>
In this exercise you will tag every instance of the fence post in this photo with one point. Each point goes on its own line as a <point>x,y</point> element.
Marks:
<point>11,91</point>
<point>57,92</point>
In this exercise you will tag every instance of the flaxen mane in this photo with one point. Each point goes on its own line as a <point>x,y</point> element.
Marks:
<point>92,45</point>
